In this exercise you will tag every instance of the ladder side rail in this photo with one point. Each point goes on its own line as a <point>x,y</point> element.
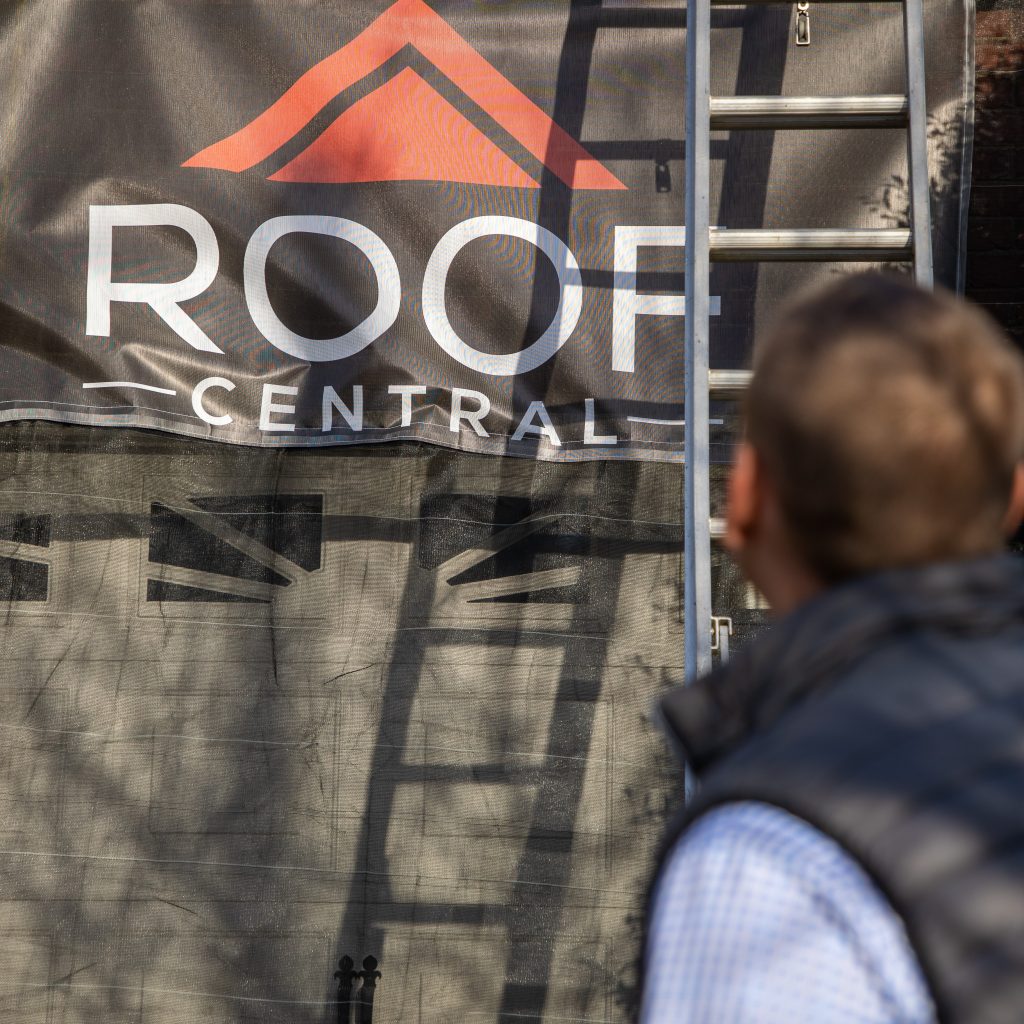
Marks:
<point>696,497</point>
<point>917,142</point>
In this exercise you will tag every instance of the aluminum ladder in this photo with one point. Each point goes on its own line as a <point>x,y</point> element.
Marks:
<point>706,244</point>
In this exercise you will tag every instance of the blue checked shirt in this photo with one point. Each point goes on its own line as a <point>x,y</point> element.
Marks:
<point>760,918</point>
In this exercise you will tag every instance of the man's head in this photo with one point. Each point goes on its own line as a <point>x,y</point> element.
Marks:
<point>884,429</point>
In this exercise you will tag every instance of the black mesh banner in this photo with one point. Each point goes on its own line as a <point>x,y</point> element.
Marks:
<point>303,729</point>
<point>264,710</point>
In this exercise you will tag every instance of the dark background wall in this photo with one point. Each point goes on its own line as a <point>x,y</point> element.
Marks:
<point>995,258</point>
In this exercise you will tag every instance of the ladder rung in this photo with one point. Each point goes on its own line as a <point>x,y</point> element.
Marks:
<point>730,245</point>
<point>728,383</point>
<point>772,112</point>
<point>789,3</point>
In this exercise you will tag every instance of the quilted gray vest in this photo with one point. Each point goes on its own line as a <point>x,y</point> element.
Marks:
<point>889,713</point>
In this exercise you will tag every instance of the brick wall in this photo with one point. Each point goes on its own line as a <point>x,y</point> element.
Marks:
<point>995,254</point>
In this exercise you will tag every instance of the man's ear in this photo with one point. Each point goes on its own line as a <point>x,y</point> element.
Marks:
<point>1015,510</point>
<point>744,499</point>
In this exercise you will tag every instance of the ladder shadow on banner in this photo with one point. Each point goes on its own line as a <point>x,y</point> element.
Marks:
<point>533,915</point>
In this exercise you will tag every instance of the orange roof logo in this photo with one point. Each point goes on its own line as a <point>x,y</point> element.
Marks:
<point>406,130</point>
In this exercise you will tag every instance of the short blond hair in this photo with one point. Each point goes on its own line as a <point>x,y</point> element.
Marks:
<point>891,420</point>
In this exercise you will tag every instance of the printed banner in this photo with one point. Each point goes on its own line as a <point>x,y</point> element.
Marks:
<point>293,224</point>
